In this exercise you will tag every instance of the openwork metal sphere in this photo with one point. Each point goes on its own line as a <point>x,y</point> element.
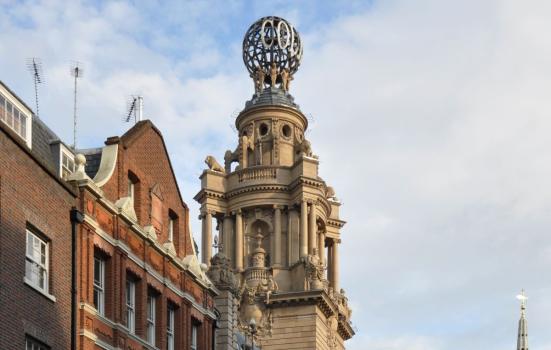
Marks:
<point>272,40</point>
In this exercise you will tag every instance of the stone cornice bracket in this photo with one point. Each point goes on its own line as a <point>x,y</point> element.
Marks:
<point>126,207</point>
<point>150,232</point>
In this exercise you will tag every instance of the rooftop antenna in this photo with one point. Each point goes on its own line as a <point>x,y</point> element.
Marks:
<point>34,65</point>
<point>135,108</point>
<point>76,72</point>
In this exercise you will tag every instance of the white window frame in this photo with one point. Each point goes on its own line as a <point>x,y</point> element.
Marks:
<point>99,286</point>
<point>170,327</point>
<point>21,112</point>
<point>64,152</point>
<point>31,344</point>
<point>194,333</point>
<point>34,259</point>
<point>131,305</point>
<point>131,190</point>
<point>170,229</point>
<point>150,328</point>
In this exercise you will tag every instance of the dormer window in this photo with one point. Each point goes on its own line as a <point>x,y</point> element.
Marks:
<point>67,163</point>
<point>15,115</point>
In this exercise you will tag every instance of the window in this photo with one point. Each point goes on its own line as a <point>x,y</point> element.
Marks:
<point>36,262</point>
<point>130,305</point>
<point>170,229</point>
<point>13,117</point>
<point>131,190</point>
<point>194,331</point>
<point>99,285</point>
<point>170,328</point>
<point>67,164</point>
<point>151,299</point>
<point>33,344</point>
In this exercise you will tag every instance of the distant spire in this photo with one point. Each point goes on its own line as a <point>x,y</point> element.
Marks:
<point>522,340</point>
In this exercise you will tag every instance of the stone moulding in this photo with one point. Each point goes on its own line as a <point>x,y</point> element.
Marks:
<point>107,164</point>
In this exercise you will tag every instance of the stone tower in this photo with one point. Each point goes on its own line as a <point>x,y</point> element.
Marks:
<point>277,266</point>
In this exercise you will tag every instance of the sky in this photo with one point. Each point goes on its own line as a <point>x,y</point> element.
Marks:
<point>431,118</point>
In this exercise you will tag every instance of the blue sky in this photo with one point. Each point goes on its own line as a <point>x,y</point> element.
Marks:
<point>431,120</point>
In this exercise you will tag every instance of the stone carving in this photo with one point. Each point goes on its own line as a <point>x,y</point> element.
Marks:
<point>332,327</point>
<point>229,158</point>
<point>305,148</point>
<point>267,287</point>
<point>314,271</point>
<point>273,74</point>
<point>330,193</point>
<point>285,79</point>
<point>252,307</point>
<point>221,273</point>
<point>214,165</point>
<point>258,78</point>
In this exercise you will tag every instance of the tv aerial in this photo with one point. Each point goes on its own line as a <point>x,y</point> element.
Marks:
<point>76,72</point>
<point>34,65</point>
<point>134,109</point>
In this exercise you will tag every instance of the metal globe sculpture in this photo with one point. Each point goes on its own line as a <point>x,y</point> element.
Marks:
<point>272,51</point>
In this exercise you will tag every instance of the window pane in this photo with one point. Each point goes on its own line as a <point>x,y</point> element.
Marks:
<point>2,108</point>
<point>23,126</point>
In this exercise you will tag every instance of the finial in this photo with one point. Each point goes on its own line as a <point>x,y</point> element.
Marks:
<point>272,51</point>
<point>522,297</point>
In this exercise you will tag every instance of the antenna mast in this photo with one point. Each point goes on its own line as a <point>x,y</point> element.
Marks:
<point>135,108</point>
<point>34,65</point>
<point>76,72</point>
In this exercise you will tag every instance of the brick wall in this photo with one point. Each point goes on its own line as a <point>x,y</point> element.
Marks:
<point>30,196</point>
<point>142,154</point>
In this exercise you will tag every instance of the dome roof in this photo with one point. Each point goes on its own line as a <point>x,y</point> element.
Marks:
<point>271,97</point>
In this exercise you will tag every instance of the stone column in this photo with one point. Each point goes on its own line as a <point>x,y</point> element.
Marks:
<point>330,263</point>
<point>303,238</point>
<point>335,264</point>
<point>206,242</point>
<point>227,242</point>
<point>277,236</point>
<point>238,241</point>
<point>321,246</point>
<point>312,229</point>
<point>289,237</point>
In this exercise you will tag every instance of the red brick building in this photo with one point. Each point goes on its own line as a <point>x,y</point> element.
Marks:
<point>35,232</point>
<point>139,283</point>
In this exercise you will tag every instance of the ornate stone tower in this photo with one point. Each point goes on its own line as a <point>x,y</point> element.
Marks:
<point>277,265</point>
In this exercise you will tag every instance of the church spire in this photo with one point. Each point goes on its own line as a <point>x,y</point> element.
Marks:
<point>522,340</point>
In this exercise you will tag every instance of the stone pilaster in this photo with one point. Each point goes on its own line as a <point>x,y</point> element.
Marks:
<point>312,229</point>
<point>206,242</point>
<point>277,236</point>
<point>239,241</point>
<point>303,239</point>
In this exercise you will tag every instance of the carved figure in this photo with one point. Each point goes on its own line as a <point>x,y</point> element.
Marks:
<point>259,80</point>
<point>285,79</point>
<point>229,158</point>
<point>329,192</point>
<point>273,74</point>
<point>214,165</point>
<point>305,148</point>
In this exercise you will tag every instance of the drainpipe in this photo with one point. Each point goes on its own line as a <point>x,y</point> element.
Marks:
<point>76,218</point>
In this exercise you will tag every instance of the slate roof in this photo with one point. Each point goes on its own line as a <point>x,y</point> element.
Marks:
<point>271,96</point>
<point>42,139</point>
<point>93,159</point>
